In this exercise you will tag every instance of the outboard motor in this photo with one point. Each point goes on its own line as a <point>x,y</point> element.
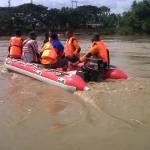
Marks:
<point>93,70</point>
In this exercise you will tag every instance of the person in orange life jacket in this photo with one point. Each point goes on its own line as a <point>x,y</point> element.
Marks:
<point>52,52</point>
<point>72,48</point>
<point>98,50</point>
<point>48,53</point>
<point>15,47</point>
<point>61,60</point>
<point>30,52</point>
<point>47,38</point>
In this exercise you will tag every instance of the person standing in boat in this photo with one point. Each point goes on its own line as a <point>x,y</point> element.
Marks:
<point>30,49</point>
<point>72,48</point>
<point>52,52</point>
<point>98,50</point>
<point>15,46</point>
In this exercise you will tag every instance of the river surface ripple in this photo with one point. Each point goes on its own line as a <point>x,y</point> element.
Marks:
<point>112,115</point>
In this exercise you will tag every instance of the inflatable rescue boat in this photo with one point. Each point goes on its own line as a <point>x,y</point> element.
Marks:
<point>68,80</point>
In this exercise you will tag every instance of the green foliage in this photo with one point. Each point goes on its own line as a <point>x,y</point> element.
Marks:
<point>137,20</point>
<point>30,16</point>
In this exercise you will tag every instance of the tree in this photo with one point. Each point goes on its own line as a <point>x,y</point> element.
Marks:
<point>137,20</point>
<point>30,16</point>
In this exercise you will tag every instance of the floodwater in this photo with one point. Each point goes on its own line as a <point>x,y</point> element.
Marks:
<point>112,115</point>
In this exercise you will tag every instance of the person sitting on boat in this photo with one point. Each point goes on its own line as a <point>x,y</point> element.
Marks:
<point>72,48</point>
<point>57,44</point>
<point>30,49</point>
<point>15,47</point>
<point>98,50</point>
<point>52,53</point>
<point>47,38</point>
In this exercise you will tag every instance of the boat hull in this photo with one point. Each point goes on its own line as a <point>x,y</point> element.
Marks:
<point>66,80</point>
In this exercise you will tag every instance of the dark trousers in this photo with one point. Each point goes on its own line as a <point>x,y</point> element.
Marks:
<point>72,59</point>
<point>61,63</point>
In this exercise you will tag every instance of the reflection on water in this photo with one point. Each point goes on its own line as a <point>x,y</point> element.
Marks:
<point>113,115</point>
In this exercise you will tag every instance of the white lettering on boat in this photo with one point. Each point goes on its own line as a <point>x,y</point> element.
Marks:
<point>61,80</point>
<point>39,72</point>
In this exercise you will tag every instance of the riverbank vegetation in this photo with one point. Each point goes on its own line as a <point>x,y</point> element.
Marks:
<point>137,20</point>
<point>29,17</point>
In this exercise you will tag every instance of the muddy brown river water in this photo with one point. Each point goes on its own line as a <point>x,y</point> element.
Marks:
<point>113,115</point>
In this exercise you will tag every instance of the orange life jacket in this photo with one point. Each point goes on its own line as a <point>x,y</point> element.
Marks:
<point>16,47</point>
<point>49,55</point>
<point>102,53</point>
<point>69,47</point>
